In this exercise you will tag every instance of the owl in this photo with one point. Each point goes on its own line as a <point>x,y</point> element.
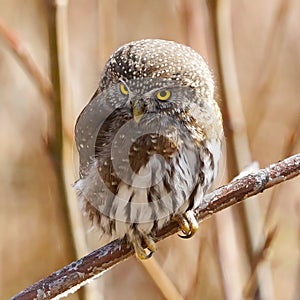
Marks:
<point>149,142</point>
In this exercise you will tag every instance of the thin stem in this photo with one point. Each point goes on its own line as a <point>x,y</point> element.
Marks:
<point>27,62</point>
<point>251,216</point>
<point>160,278</point>
<point>55,135</point>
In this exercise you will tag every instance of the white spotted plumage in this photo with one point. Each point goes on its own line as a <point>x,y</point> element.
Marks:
<point>137,173</point>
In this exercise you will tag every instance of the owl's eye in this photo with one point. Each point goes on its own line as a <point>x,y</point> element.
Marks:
<point>163,95</point>
<point>123,89</point>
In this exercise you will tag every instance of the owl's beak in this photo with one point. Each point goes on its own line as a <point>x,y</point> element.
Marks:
<point>138,110</point>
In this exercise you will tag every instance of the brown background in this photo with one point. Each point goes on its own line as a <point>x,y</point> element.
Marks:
<point>33,241</point>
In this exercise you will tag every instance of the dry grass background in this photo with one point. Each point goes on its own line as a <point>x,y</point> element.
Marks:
<point>35,234</point>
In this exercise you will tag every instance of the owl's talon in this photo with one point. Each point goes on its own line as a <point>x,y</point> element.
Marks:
<point>149,255</point>
<point>183,224</point>
<point>140,252</point>
<point>187,223</point>
<point>150,243</point>
<point>185,236</point>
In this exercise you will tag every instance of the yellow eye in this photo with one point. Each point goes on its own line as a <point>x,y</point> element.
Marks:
<point>124,89</point>
<point>163,95</point>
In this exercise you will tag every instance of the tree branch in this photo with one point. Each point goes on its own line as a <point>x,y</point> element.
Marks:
<point>77,274</point>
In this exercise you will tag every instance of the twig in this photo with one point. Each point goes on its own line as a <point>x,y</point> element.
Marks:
<point>194,23</point>
<point>161,280</point>
<point>59,147</point>
<point>107,28</point>
<point>251,215</point>
<point>22,53</point>
<point>237,143</point>
<point>78,273</point>
<point>229,80</point>
<point>54,142</point>
<point>250,287</point>
<point>266,78</point>
<point>68,118</point>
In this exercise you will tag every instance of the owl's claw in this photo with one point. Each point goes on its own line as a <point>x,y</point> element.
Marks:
<point>150,243</point>
<point>187,223</point>
<point>140,252</point>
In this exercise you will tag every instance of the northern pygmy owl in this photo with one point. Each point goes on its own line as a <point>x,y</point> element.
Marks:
<point>149,142</point>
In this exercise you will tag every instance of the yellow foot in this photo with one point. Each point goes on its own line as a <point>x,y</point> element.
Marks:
<point>140,252</point>
<point>187,223</point>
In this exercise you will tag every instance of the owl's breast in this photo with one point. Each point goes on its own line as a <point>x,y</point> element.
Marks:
<point>144,171</point>
<point>145,179</point>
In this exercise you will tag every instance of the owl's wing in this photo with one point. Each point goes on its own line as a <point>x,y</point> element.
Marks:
<point>87,127</point>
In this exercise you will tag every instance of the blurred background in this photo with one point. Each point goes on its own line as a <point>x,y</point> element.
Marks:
<point>51,56</point>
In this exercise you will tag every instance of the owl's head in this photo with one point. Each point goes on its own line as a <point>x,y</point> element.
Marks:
<point>160,59</point>
<point>153,76</point>
<point>154,58</point>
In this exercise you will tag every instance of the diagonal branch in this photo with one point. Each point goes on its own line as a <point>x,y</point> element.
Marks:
<point>77,274</point>
<point>28,63</point>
